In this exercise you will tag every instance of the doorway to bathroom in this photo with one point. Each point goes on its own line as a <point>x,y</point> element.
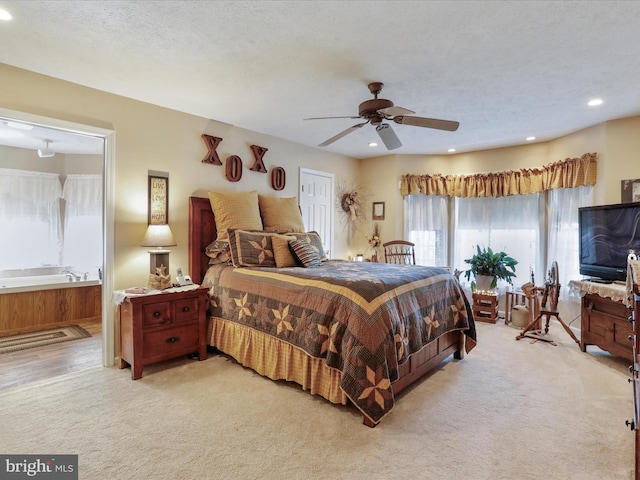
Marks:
<point>53,174</point>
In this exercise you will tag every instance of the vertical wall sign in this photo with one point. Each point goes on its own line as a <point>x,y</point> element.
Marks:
<point>158,200</point>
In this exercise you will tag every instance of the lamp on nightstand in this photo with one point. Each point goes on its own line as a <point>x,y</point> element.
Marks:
<point>160,237</point>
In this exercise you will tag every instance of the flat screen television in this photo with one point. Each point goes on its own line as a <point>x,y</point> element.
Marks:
<point>608,233</point>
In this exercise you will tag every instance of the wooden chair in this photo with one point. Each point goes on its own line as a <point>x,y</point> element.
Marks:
<point>399,252</point>
<point>548,309</point>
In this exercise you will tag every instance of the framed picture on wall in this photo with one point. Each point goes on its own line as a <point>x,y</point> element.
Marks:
<point>158,200</point>
<point>630,190</point>
<point>378,211</point>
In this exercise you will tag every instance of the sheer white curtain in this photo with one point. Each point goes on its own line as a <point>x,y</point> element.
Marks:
<point>510,224</point>
<point>563,240</point>
<point>83,222</point>
<point>426,224</point>
<point>30,219</point>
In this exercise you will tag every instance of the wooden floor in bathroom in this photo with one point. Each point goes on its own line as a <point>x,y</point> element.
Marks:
<point>41,363</point>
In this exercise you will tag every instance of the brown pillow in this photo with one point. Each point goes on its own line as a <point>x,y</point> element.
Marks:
<point>282,252</point>
<point>306,253</point>
<point>312,238</point>
<point>280,214</point>
<point>235,210</point>
<point>251,249</point>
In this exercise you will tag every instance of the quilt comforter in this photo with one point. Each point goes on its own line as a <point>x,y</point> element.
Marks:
<point>364,319</point>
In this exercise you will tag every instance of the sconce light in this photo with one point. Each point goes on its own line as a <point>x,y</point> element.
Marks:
<point>160,237</point>
<point>46,152</point>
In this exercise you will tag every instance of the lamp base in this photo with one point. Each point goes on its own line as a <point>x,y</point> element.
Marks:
<point>159,262</point>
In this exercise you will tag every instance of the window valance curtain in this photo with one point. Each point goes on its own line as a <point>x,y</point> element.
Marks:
<point>568,173</point>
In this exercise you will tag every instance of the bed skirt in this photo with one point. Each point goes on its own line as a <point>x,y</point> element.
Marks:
<point>276,359</point>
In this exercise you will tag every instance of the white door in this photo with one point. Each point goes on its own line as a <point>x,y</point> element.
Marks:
<point>316,199</point>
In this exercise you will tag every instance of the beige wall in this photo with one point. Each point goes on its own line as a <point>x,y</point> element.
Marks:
<point>154,138</point>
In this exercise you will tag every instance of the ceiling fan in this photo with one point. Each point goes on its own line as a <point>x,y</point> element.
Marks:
<point>378,110</point>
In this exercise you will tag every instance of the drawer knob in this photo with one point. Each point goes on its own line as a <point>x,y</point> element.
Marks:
<point>156,314</point>
<point>173,339</point>
<point>185,309</point>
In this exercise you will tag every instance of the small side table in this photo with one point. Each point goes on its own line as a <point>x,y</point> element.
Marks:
<point>162,325</point>
<point>485,307</point>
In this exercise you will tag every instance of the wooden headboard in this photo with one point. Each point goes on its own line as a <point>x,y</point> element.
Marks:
<point>202,231</point>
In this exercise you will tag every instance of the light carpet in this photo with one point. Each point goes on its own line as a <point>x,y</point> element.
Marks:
<point>509,410</point>
<point>25,341</point>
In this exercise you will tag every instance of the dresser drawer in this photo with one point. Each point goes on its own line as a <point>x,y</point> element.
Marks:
<point>155,314</point>
<point>185,310</point>
<point>170,342</point>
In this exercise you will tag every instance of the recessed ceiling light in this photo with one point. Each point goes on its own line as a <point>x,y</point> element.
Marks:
<point>594,102</point>
<point>451,150</point>
<point>373,144</point>
<point>4,15</point>
<point>19,126</point>
<point>530,138</point>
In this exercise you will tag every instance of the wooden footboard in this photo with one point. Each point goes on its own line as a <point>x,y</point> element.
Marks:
<point>422,362</point>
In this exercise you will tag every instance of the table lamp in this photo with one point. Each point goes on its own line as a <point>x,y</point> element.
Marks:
<point>160,237</point>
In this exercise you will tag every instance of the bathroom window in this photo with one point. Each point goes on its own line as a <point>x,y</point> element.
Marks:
<point>82,196</point>
<point>30,218</point>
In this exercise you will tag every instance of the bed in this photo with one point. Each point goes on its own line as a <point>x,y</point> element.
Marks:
<point>355,332</point>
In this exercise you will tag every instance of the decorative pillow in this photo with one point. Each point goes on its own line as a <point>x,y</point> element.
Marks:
<point>281,251</point>
<point>281,214</point>
<point>235,210</point>
<point>312,238</point>
<point>251,249</point>
<point>306,253</point>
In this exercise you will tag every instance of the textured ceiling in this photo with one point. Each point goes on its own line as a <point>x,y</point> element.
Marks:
<point>505,70</point>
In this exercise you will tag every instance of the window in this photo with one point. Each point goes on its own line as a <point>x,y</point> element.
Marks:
<point>30,218</point>
<point>533,229</point>
<point>510,224</point>
<point>83,221</point>
<point>426,225</point>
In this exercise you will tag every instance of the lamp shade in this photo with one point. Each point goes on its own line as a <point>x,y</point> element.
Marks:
<point>158,236</point>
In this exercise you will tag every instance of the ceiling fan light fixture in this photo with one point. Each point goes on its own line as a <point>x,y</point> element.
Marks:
<point>46,152</point>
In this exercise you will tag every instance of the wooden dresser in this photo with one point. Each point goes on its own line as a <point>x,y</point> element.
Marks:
<point>605,318</point>
<point>161,326</point>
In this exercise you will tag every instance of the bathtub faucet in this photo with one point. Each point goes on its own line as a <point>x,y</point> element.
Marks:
<point>72,276</point>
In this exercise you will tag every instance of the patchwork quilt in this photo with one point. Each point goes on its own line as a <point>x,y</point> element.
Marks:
<point>364,319</point>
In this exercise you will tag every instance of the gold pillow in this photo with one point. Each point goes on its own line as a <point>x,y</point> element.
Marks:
<point>235,210</point>
<point>280,214</point>
<point>282,252</point>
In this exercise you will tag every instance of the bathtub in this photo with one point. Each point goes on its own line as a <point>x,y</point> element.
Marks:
<point>44,282</point>
<point>39,302</point>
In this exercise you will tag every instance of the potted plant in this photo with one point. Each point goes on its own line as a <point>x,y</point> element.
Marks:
<point>496,266</point>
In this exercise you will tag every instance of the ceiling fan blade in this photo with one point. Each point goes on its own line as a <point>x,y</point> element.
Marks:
<point>388,136</point>
<point>325,118</point>
<point>393,111</point>
<point>449,125</point>
<point>342,134</point>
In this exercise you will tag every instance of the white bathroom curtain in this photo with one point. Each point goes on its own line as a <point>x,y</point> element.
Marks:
<point>30,219</point>
<point>82,196</point>
<point>563,232</point>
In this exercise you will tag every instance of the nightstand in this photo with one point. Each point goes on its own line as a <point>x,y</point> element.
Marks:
<point>160,326</point>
